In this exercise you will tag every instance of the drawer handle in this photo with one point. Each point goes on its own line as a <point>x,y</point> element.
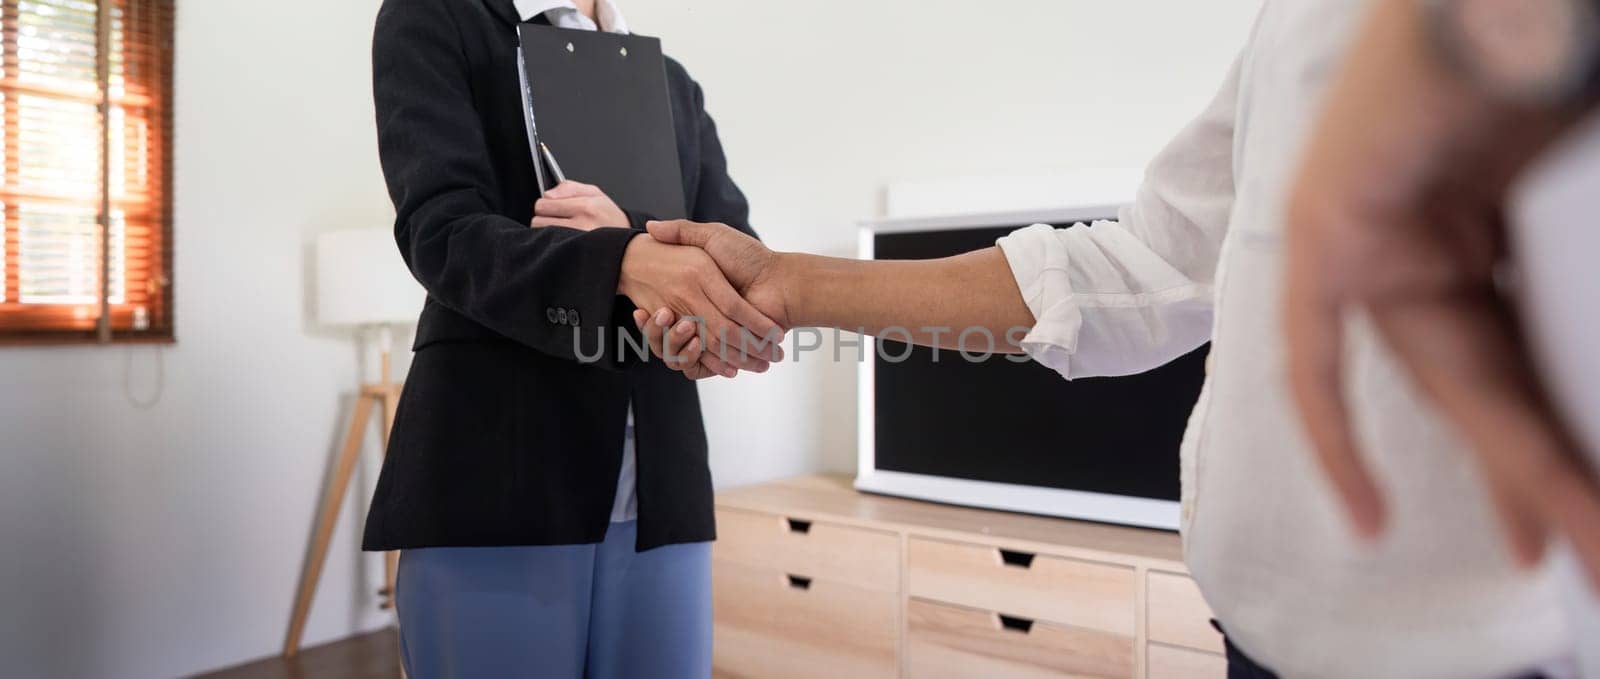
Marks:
<point>798,526</point>
<point>1022,625</point>
<point>799,582</point>
<point>1018,559</point>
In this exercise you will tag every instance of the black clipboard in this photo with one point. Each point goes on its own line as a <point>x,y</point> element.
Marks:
<point>599,101</point>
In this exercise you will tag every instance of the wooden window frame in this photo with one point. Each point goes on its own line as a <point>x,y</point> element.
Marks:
<point>148,91</point>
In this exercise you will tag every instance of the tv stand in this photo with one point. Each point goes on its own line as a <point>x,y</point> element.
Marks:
<point>813,578</point>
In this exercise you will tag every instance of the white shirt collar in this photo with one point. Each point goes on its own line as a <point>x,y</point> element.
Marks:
<point>565,14</point>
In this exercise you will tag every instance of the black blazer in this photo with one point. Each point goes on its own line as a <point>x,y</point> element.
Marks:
<point>502,436</point>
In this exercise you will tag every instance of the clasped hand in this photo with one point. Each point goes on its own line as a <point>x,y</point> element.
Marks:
<point>742,262</point>
<point>713,317</point>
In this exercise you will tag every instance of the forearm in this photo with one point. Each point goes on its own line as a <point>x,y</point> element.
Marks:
<point>934,301</point>
<point>553,290</point>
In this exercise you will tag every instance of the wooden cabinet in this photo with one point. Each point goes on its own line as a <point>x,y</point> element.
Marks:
<point>1178,614</point>
<point>865,558</point>
<point>770,623</point>
<point>950,641</point>
<point>1171,662</point>
<point>1024,584</point>
<point>813,579</point>
<point>804,598</point>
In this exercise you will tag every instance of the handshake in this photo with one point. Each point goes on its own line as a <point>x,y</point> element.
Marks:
<point>697,277</point>
<point>714,274</point>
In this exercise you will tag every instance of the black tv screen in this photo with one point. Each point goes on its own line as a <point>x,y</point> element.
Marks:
<point>1021,423</point>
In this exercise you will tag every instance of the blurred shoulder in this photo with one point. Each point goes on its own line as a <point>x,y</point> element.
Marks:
<point>679,81</point>
<point>436,10</point>
<point>676,71</point>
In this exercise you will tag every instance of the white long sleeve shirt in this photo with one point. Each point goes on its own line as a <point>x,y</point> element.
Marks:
<point>1555,238</point>
<point>1198,257</point>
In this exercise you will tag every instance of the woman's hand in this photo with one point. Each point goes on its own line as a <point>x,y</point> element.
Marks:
<point>577,205</point>
<point>685,282</point>
<point>746,264</point>
<point>678,344</point>
<point>682,282</point>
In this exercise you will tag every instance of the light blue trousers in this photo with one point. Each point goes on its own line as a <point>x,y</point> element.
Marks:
<point>600,611</point>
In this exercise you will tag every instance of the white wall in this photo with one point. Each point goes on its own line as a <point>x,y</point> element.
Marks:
<point>821,103</point>
<point>149,543</point>
<point>153,543</point>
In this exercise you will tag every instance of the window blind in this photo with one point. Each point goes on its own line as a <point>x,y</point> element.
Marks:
<point>63,230</point>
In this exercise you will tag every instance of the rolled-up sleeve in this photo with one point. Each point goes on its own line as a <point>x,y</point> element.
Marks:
<point>1123,297</point>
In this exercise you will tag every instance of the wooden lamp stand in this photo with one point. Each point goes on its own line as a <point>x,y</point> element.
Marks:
<point>385,395</point>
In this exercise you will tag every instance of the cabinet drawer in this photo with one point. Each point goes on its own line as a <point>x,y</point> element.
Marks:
<point>1167,662</point>
<point>949,642</point>
<point>1039,587</point>
<point>1178,615</point>
<point>771,624</point>
<point>864,558</point>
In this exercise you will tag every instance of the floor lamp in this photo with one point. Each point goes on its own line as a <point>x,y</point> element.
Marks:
<point>361,283</point>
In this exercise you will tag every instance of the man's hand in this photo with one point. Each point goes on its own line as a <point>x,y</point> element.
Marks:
<point>576,205</point>
<point>677,280</point>
<point>922,299</point>
<point>753,269</point>
<point>749,266</point>
<point>687,283</point>
<point>1397,214</point>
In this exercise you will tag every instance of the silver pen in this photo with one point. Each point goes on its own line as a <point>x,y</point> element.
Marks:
<point>551,159</point>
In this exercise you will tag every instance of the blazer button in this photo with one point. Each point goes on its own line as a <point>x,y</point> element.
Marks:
<point>550,314</point>
<point>561,317</point>
<point>572,317</point>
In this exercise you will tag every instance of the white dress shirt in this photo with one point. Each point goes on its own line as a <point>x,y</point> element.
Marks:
<point>1198,257</point>
<point>1554,238</point>
<point>565,14</point>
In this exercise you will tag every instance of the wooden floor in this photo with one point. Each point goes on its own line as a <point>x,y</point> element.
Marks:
<point>369,656</point>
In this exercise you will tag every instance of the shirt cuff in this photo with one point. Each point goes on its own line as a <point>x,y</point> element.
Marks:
<point>1038,262</point>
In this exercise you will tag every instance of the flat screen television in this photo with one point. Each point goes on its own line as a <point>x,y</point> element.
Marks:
<point>1011,435</point>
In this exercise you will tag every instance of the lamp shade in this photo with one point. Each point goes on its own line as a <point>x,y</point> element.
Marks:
<point>362,280</point>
